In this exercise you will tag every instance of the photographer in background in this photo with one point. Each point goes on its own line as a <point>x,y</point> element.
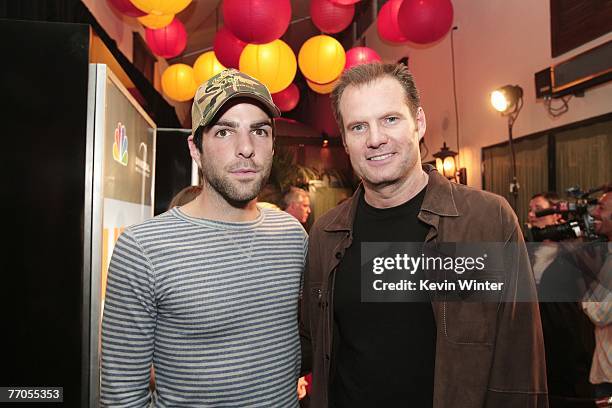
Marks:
<point>598,303</point>
<point>568,333</point>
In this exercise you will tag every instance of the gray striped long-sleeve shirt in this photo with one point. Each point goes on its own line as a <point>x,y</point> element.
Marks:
<point>213,305</point>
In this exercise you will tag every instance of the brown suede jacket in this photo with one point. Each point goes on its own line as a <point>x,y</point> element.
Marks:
<point>487,354</point>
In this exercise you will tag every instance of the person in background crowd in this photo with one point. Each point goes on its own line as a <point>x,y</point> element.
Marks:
<point>208,292</point>
<point>568,333</point>
<point>598,303</point>
<point>297,203</point>
<point>419,354</point>
<point>185,196</point>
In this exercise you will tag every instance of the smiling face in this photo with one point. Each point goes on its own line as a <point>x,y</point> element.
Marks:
<point>603,216</point>
<point>236,153</point>
<point>380,134</point>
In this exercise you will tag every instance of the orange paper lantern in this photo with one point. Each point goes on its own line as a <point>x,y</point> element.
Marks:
<point>273,64</point>
<point>178,82</point>
<point>321,59</point>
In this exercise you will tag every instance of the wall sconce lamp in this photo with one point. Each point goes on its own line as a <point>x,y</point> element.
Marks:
<point>447,166</point>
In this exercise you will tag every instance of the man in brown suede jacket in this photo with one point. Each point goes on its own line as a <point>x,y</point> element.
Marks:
<point>412,354</point>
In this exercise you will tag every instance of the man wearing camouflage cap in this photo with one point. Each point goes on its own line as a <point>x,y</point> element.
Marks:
<point>208,292</point>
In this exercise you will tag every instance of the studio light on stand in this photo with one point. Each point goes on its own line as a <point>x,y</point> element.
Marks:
<point>508,100</point>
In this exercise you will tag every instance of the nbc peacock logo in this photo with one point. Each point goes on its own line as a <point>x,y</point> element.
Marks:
<point>120,145</point>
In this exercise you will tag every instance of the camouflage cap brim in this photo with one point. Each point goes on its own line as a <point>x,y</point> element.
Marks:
<point>212,95</point>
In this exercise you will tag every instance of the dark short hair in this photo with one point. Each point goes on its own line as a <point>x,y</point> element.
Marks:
<point>368,73</point>
<point>549,196</point>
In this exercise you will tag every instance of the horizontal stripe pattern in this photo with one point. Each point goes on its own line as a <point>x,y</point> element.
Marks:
<point>213,305</point>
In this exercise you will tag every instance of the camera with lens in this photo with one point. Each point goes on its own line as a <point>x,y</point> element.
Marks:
<point>576,213</point>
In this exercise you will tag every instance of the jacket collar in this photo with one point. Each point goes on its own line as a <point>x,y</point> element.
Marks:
<point>438,202</point>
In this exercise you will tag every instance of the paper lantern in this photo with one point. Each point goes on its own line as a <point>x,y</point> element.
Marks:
<point>257,21</point>
<point>288,98</point>
<point>206,66</point>
<point>126,7</point>
<point>273,64</point>
<point>360,55</point>
<point>388,27</point>
<point>425,21</point>
<point>178,82</point>
<point>167,42</point>
<point>345,2</point>
<point>330,17</point>
<point>322,89</point>
<point>154,22</point>
<point>321,59</point>
<point>161,7</point>
<point>228,48</point>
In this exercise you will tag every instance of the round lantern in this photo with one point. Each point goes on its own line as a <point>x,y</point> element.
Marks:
<point>228,48</point>
<point>288,98</point>
<point>257,21</point>
<point>167,42</point>
<point>388,27</point>
<point>161,7</point>
<point>272,63</point>
<point>345,2</point>
<point>360,55</point>
<point>425,21</point>
<point>322,88</point>
<point>206,66</point>
<point>126,7</point>
<point>331,17</point>
<point>178,82</point>
<point>321,59</point>
<point>154,22</point>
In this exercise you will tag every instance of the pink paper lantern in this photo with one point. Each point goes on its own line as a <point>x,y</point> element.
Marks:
<point>167,42</point>
<point>257,21</point>
<point>288,98</point>
<point>228,48</point>
<point>345,2</point>
<point>126,7</point>
<point>331,17</point>
<point>360,55</point>
<point>425,21</point>
<point>388,27</point>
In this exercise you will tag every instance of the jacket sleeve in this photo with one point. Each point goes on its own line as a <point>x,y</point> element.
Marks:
<point>518,373</point>
<point>128,327</point>
<point>306,324</point>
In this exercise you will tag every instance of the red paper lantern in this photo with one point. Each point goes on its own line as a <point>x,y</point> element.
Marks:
<point>288,98</point>
<point>167,42</point>
<point>331,17</point>
<point>388,27</point>
<point>126,7</point>
<point>425,21</point>
<point>360,55</point>
<point>257,21</point>
<point>345,2</point>
<point>228,48</point>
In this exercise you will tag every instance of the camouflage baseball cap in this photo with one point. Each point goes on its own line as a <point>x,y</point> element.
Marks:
<point>228,84</point>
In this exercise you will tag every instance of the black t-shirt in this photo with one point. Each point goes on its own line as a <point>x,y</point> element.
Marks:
<point>384,353</point>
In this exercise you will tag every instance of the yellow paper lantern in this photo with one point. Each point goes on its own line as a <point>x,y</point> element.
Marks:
<point>178,82</point>
<point>206,66</point>
<point>321,59</point>
<point>273,64</point>
<point>322,88</point>
<point>154,22</point>
<point>161,7</point>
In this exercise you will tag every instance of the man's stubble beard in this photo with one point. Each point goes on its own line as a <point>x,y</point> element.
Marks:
<point>236,193</point>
